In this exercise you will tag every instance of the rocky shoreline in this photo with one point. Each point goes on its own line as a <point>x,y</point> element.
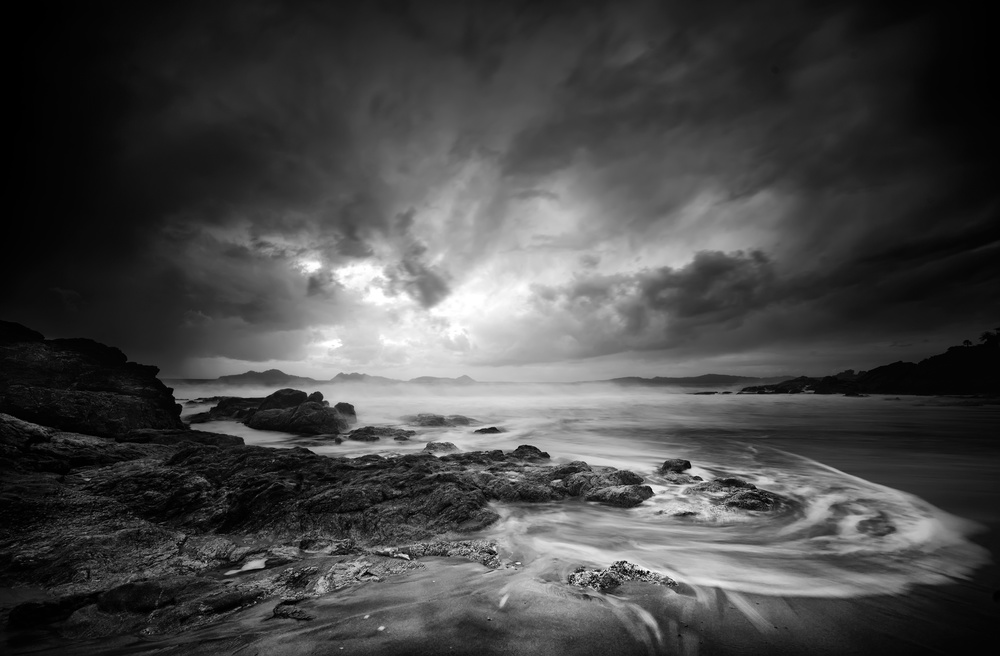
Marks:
<point>126,521</point>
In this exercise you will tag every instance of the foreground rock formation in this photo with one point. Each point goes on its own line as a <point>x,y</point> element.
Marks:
<point>80,385</point>
<point>123,532</point>
<point>132,522</point>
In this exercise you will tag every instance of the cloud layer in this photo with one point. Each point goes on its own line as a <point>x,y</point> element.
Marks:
<point>435,187</point>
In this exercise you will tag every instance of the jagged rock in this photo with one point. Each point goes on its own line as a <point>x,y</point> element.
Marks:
<point>372,433</point>
<point>490,430</point>
<point>347,410</point>
<point>481,551</point>
<point>80,385</point>
<point>676,465</point>
<point>528,452</point>
<point>288,609</point>
<point>235,408</point>
<point>754,499</point>
<point>738,493</point>
<point>438,447</point>
<point>562,471</point>
<point>625,496</point>
<point>612,577</point>
<point>174,436</point>
<point>317,397</point>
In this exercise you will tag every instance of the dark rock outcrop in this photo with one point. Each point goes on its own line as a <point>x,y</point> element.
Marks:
<point>675,465</point>
<point>959,370</point>
<point>347,411</point>
<point>284,399</point>
<point>372,433</point>
<point>288,410</point>
<point>233,408</point>
<point>737,493</point>
<point>612,577</point>
<point>80,385</point>
<point>624,496</point>
<point>307,419</point>
<point>433,420</point>
<point>175,436</point>
<point>440,447</point>
<point>490,430</point>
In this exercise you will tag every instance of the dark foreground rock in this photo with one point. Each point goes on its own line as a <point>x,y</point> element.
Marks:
<point>164,528</point>
<point>612,577</point>
<point>124,534</point>
<point>80,385</point>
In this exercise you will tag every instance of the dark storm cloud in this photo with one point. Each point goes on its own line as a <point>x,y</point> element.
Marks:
<point>661,308</point>
<point>185,162</point>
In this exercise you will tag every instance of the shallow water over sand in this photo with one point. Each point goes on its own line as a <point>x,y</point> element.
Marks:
<point>846,534</point>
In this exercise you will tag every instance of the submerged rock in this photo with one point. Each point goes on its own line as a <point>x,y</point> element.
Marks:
<point>734,492</point>
<point>433,420</point>
<point>288,609</point>
<point>489,430</point>
<point>347,411</point>
<point>372,433</point>
<point>620,572</point>
<point>624,496</point>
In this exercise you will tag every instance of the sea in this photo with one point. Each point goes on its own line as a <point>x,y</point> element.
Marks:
<point>890,544</point>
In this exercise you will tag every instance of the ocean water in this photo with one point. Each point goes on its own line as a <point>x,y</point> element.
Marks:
<point>888,493</point>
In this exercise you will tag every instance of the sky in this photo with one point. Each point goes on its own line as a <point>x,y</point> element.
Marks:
<point>536,191</point>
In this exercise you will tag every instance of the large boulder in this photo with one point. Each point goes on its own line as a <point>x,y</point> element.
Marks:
<point>624,496</point>
<point>284,399</point>
<point>80,385</point>
<point>233,408</point>
<point>309,418</point>
<point>347,411</point>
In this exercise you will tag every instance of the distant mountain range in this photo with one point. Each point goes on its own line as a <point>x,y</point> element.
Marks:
<point>278,378</point>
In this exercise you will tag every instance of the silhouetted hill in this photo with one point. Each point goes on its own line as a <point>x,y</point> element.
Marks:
<point>959,370</point>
